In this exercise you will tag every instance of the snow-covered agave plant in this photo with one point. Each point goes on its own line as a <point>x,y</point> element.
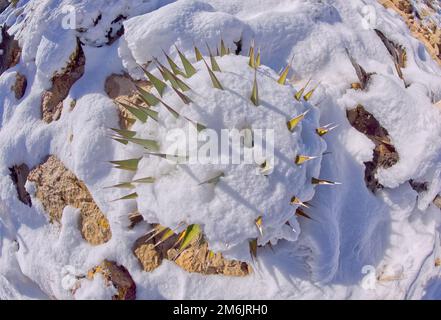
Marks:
<point>235,207</point>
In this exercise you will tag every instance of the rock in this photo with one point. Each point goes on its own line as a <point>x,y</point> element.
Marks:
<point>135,218</point>
<point>19,175</point>
<point>197,258</point>
<point>20,85</point>
<point>122,88</point>
<point>57,188</point>
<point>3,5</point>
<point>420,30</point>
<point>385,154</point>
<point>149,258</point>
<point>117,276</point>
<point>52,100</point>
<point>437,201</point>
<point>10,49</point>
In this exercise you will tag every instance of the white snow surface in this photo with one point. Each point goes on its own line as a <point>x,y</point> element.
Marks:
<point>395,233</point>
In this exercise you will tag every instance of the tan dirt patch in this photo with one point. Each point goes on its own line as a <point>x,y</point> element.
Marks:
<point>20,85</point>
<point>11,51</point>
<point>196,258</point>
<point>57,187</point>
<point>118,276</point>
<point>122,88</point>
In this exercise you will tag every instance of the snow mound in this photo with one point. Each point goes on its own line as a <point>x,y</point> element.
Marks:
<point>228,209</point>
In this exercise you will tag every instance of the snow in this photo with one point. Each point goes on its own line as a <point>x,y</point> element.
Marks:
<point>395,231</point>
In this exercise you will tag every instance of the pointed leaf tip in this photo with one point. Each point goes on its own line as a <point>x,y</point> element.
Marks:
<point>255,92</point>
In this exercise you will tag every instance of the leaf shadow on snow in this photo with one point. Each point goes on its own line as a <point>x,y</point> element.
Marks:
<point>354,225</point>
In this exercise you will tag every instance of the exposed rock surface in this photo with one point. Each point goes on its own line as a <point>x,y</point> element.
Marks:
<point>20,85</point>
<point>150,252</point>
<point>57,187</point>
<point>122,88</point>
<point>117,276</point>
<point>10,49</point>
<point>52,100</point>
<point>429,34</point>
<point>19,175</point>
<point>385,154</point>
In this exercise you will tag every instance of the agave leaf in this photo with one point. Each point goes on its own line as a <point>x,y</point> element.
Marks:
<point>309,94</point>
<point>199,126</point>
<point>197,54</point>
<point>174,67</point>
<point>130,164</point>
<point>257,64</point>
<point>192,233</point>
<point>223,50</point>
<point>147,97</point>
<point>325,129</point>
<point>160,67</point>
<point>214,65</point>
<point>253,248</point>
<point>297,201</point>
<point>284,74</point>
<point>138,113</point>
<point>167,74</point>
<point>146,143</point>
<point>211,255</point>
<point>299,94</point>
<point>122,141</point>
<point>124,133</point>
<point>145,180</point>
<point>302,159</point>
<point>323,182</point>
<point>255,92</point>
<point>188,67</point>
<point>151,113</point>
<point>128,197</point>
<point>141,111</point>
<point>180,84</point>
<point>292,124</point>
<point>123,185</point>
<point>362,75</point>
<point>213,77</point>
<point>252,61</point>
<point>165,236</point>
<point>170,109</point>
<point>157,83</point>
<point>259,225</point>
<point>183,97</point>
<point>301,213</point>
<point>158,229</point>
<point>213,180</point>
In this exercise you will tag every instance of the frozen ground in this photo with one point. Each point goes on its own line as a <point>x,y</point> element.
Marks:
<point>360,245</point>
